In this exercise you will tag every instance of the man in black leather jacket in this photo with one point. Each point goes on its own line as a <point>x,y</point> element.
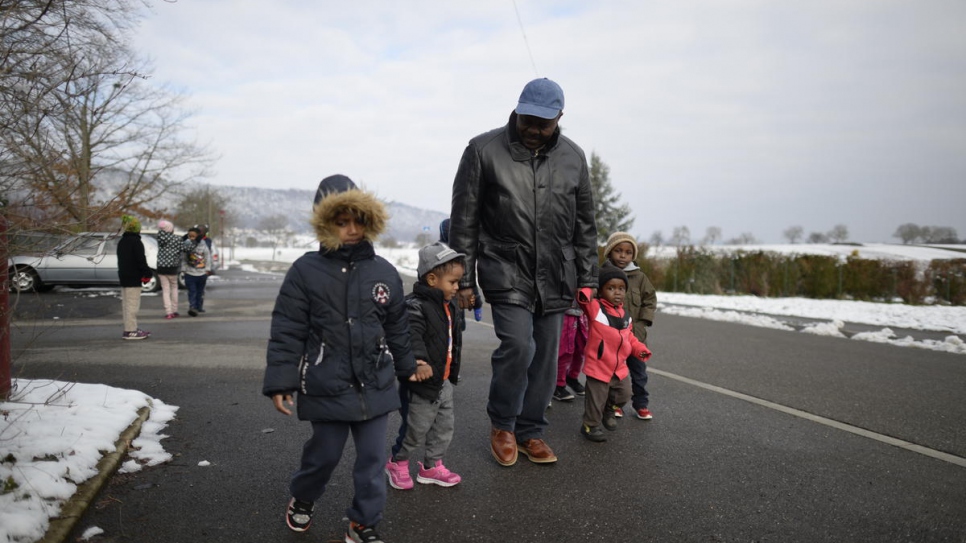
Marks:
<point>523,213</point>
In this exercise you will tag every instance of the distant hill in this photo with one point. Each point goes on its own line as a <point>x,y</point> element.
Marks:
<point>247,206</point>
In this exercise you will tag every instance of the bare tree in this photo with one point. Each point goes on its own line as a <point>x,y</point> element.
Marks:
<point>712,235</point>
<point>908,233</point>
<point>839,233</point>
<point>276,228</point>
<point>656,239</point>
<point>745,238</point>
<point>817,237</point>
<point>940,234</point>
<point>92,115</point>
<point>201,206</point>
<point>680,236</point>
<point>793,234</point>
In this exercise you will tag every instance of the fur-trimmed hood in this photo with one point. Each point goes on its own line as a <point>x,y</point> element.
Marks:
<point>360,203</point>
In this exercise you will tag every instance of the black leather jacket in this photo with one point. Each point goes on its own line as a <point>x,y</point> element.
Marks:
<point>525,220</point>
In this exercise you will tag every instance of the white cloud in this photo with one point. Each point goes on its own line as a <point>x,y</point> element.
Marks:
<point>751,116</point>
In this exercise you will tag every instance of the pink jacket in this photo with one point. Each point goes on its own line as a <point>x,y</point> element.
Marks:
<point>608,347</point>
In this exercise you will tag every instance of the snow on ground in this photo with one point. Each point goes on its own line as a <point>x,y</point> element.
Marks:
<point>52,433</point>
<point>879,251</point>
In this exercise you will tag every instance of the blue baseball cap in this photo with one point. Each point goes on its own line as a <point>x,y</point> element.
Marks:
<point>541,98</point>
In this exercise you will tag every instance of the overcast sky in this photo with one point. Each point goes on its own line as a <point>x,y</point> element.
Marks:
<point>748,115</point>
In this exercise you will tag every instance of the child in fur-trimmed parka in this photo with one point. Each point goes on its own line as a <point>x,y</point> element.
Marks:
<point>609,343</point>
<point>339,339</point>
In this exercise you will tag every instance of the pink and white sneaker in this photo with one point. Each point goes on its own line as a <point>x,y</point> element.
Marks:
<point>398,473</point>
<point>437,475</point>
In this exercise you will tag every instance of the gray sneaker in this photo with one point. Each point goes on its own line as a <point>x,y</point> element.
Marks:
<point>137,334</point>
<point>358,533</point>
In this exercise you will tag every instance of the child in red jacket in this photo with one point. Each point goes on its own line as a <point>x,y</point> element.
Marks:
<point>610,342</point>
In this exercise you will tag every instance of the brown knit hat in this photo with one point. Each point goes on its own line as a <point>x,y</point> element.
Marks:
<point>617,238</point>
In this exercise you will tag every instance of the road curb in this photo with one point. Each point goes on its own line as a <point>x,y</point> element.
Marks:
<point>74,509</point>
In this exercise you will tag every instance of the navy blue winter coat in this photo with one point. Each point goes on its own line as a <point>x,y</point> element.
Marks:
<point>340,336</point>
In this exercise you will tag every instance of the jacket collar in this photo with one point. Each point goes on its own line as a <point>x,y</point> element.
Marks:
<point>349,253</point>
<point>518,151</point>
<point>425,291</point>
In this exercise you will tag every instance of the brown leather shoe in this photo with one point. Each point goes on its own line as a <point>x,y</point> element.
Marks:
<point>503,445</point>
<point>537,451</point>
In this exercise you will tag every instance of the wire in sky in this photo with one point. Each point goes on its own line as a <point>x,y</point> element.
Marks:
<point>525,41</point>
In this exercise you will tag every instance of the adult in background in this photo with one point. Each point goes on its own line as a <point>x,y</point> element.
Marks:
<point>132,272</point>
<point>523,214</point>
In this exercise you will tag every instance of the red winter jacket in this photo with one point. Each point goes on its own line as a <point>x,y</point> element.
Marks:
<point>608,347</point>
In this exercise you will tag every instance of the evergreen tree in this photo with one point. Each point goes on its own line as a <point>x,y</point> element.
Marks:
<point>611,215</point>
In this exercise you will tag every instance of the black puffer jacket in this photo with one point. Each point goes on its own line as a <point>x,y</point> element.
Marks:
<point>525,221</point>
<point>132,265</point>
<point>340,332</point>
<point>430,336</point>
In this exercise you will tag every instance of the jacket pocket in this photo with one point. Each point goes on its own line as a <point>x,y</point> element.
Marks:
<point>497,266</point>
<point>385,366</point>
<point>568,272</point>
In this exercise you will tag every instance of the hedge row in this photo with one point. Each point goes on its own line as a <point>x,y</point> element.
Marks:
<point>696,270</point>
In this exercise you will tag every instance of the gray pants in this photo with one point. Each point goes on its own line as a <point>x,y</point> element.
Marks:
<point>524,369</point>
<point>600,395</point>
<point>430,425</point>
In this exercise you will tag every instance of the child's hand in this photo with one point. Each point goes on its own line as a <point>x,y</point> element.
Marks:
<point>280,400</point>
<point>423,371</point>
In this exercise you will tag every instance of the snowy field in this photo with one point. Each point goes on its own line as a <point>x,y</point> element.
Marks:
<point>752,310</point>
<point>57,430</point>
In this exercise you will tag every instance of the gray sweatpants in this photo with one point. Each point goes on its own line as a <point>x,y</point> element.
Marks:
<point>431,425</point>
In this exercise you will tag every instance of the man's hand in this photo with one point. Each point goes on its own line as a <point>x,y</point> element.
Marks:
<point>466,298</point>
<point>279,400</point>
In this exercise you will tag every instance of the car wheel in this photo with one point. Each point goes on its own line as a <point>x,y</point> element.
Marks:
<point>24,279</point>
<point>181,283</point>
<point>153,285</point>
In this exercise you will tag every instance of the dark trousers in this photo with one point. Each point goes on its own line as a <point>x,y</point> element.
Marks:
<point>601,396</point>
<point>196,290</point>
<point>321,454</point>
<point>638,369</point>
<point>524,369</point>
<point>404,414</point>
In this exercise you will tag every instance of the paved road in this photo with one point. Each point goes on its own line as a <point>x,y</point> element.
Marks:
<point>747,444</point>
